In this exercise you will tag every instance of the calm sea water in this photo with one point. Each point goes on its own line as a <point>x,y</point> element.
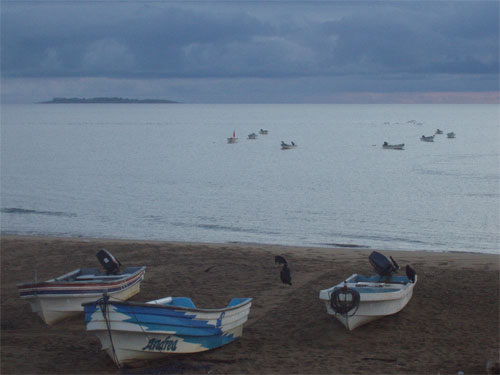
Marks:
<point>165,172</point>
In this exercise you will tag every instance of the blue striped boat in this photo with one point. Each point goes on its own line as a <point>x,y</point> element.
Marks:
<point>131,331</point>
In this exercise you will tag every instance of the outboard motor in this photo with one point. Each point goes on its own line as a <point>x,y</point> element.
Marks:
<point>382,265</point>
<point>108,261</point>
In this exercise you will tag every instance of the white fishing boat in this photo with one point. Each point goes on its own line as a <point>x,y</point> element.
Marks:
<point>62,297</point>
<point>252,136</point>
<point>427,139</point>
<point>439,131</point>
<point>287,146</point>
<point>450,135</point>
<point>362,299</point>
<point>232,139</point>
<point>131,331</point>
<point>388,146</point>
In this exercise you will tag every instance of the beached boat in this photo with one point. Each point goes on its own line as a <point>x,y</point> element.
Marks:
<point>427,139</point>
<point>263,131</point>
<point>131,331</point>
<point>287,146</point>
<point>252,136</point>
<point>393,147</point>
<point>361,299</point>
<point>62,297</point>
<point>450,135</point>
<point>439,131</point>
<point>232,139</point>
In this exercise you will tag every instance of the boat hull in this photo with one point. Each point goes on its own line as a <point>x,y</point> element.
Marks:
<point>133,331</point>
<point>54,302</point>
<point>377,300</point>
<point>394,147</point>
<point>131,347</point>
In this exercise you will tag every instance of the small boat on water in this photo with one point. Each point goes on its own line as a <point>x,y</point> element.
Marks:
<point>393,147</point>
<point>131,331</point>
<point>427,139</point>
<point>362,299</point>
<point>232,139</point>
<point>252,136</point>
<point>439,131</point>
<point>62,297</point>
<point>450,135</point>
<point>263,131</point>
<point>287,146</point>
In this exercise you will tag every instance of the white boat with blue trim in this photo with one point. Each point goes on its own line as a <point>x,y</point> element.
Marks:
<point>131,331</point>
<point>362,299</point>
<point>62,297</point>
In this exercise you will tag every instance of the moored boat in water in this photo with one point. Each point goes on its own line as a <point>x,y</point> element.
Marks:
<point>427,139</point>
<point>450,135</point>
<point>131,331</point>
<point>62,297</point>
<point>388,146</point>
<point>362,299</point>
<point>232,139</point>
<point>287,146</point>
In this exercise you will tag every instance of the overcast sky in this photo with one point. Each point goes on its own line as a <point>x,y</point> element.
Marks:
<point>251,51</point>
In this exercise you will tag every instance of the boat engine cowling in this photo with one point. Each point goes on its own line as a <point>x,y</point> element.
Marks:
<point>382,265</point>
<point>108,261</point>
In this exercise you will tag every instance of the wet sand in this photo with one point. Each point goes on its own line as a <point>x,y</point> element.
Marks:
<point>451,323</point>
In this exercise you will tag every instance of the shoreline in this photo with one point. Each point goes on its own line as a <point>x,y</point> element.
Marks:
<point>347,247</point>
<point>288,330</point>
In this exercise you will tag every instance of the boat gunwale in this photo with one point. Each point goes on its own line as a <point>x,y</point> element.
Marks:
<point>65,284</point>
<point>370,296</point>
<point>247,301</point>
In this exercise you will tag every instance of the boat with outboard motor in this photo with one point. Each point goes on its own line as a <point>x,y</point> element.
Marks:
<point>427,139</point>
<point>450,135</point>
<point>361,299</point>
<point>439,131</point>
<point>62,297</point>
<point>388,146</point>
<point>131,331</point>
<point>287,146</point>
<point>263,131</point>
<point>252,136</point>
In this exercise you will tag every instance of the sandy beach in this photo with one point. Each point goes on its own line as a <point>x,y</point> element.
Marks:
<point>450,325</point>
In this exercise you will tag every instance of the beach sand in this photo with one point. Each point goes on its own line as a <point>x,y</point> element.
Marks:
<point>450,325</point>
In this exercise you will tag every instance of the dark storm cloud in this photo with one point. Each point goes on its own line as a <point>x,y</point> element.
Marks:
<point>111,40</point>
<point>428,38</point>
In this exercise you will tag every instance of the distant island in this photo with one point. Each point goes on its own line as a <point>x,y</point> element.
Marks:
<point>106,101</point>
